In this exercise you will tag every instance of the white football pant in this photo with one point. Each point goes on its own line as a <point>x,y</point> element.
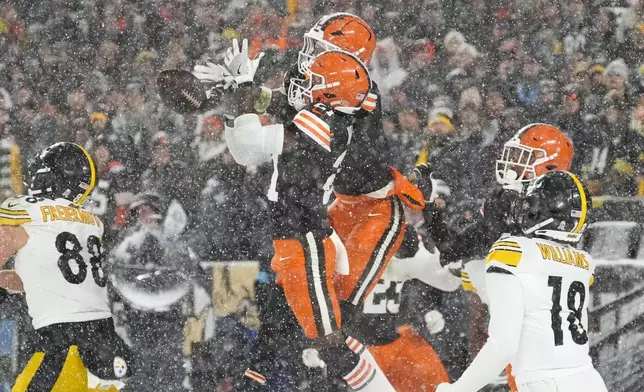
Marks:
<point>586,381</point>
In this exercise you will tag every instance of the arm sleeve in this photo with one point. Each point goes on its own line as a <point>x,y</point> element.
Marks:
<point>14,212</point>
<point>454,245</point>
<point>506,321</point>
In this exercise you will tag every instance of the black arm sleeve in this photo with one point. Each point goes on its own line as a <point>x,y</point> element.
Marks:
<point>475,239</point>
<point>303,170</point>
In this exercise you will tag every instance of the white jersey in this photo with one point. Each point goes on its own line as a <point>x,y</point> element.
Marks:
<point>555,278</point>
<point>61,264</point>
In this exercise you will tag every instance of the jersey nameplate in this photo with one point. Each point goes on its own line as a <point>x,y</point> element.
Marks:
<point>69,214</point>
<point>563,255</point>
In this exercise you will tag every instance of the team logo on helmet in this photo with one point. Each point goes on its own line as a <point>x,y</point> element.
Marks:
<point>120,367</point>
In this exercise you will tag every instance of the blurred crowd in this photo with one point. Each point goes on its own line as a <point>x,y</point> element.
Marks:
<point>458,78</point>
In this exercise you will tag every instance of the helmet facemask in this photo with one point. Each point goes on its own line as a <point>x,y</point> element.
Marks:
<point>300,91</point>
<point>518,163</point>
<point>314,44</point>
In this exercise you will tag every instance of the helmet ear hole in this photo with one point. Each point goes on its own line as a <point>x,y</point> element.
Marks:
<point>551,167</point>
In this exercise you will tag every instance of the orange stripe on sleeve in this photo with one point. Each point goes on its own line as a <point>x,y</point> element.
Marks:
<point>323,126</point>
<point>313,132</point>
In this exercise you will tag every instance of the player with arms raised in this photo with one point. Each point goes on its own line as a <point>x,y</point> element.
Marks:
<point>538,289</point>
<point>58,264</point>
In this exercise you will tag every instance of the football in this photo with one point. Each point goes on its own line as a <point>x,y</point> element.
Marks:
<point>181,91</point>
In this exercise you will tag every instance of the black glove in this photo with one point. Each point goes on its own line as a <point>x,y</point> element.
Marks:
<point>500,208</point>
<point>423,174</point>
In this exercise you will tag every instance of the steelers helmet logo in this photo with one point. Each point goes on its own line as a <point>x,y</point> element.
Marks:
<point>120,367</point>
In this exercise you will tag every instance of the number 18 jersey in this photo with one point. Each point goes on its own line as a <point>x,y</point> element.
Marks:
<point>61,264</point>
<point>555,278</point>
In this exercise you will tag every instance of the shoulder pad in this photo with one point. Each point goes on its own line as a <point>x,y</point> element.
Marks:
<point>313,125</point>
<point>16,210</point>
<point>506,251</point>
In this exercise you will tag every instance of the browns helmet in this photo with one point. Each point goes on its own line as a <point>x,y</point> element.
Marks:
<point>534,150</point>
<point>334,78</point>
<point>339,31</point>
<point>556,206</point>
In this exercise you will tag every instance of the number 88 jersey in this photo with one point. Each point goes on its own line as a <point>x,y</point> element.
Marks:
<point>555,278</point>
<point>61,264</point>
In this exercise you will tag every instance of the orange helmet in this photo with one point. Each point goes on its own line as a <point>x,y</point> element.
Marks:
<point>339,31</point>
<point>534,150</point>
<point>335,78</point>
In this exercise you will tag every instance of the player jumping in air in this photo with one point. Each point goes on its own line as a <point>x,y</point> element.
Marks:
<point>538,288</point>
<point>312,147</point>
<point>368,215</point>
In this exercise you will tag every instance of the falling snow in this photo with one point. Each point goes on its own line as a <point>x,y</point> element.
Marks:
<point>188,232</point>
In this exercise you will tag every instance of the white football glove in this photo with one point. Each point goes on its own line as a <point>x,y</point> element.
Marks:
<point>434,321</point>
<point>311,358</point>
<point>239,65</point>
<point>211,72</point>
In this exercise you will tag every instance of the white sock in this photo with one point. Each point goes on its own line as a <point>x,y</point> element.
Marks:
<point>367,375</point>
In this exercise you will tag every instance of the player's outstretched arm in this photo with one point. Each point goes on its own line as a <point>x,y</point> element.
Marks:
<point>12,239</point>
<point>10,281</point>
<point>506,321</point>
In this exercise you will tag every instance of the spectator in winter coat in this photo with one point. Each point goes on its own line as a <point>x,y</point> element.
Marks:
<point>406,139</point>
<point>605,151</point>
<point>386,69</point>
<point>465,163</point>
<point>528,88</point>
<point>602,37</point>
<point>440,131</point>
<point>494,105</point>
<point>210,146</point>
<point>594,88</point>
<point>570,121</point>
<point>169,177</point>
<point>635,142</point>
<point>548,101</point>
<point>616,78</point>
<point>421,64</point>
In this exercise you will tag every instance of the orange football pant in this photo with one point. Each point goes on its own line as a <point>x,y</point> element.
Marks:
<point>371,230</point>
<point>305,270</point>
